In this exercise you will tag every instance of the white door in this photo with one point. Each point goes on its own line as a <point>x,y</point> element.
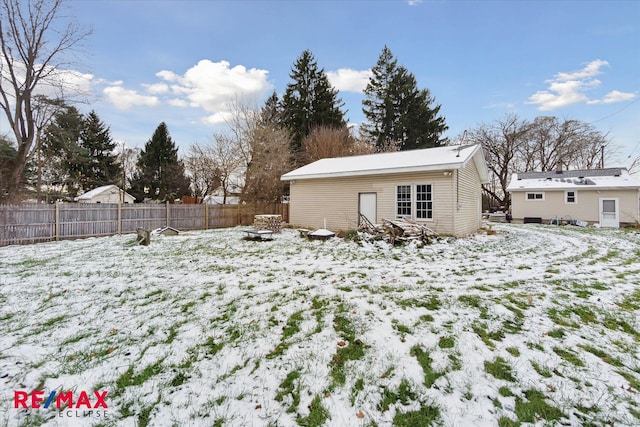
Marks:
<point>609,215</point>
<point>367,206</point>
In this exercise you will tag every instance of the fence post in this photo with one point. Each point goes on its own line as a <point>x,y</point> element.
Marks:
<point>167,221</point>
<point>206,215</point>
<point>57,226</point>
<point>119,225</point>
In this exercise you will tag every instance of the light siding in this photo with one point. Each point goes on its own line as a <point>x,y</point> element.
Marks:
<point>587,207</point>
<point>333,202</point>
<point>468,203</point>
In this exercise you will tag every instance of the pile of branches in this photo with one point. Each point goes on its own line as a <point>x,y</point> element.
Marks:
<point>398,231</point>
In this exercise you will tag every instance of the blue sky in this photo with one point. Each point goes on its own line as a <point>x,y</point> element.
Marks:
<point>184,62</point>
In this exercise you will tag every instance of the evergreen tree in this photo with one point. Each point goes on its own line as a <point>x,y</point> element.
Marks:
<point>8,155</point>
<point>400,116</point>
<point>271,112</point>
<point>160,175</point>
<point>309,101</point>
<point>101,166</point>
<point>64,157</point>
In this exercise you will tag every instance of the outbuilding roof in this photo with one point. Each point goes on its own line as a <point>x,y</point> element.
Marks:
<point>609,178</point>
<point>428,159</point>
<point>109,189</point>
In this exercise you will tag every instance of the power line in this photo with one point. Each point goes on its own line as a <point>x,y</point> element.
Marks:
<point>616,112</point>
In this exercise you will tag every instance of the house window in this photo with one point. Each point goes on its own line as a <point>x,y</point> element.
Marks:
<point>414,201</point>
<point>403,200</point>
<point>535,196</point>
<point>571,197</point>
<point>424,202</point>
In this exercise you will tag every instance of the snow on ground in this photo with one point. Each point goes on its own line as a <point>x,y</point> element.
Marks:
<point>531,326</point>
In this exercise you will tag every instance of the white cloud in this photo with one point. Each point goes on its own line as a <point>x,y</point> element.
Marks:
<point>414,2</point>
<point>124,99</point>
<point>55,83</point>
<point>218,118</point>
<point>213,86</point>
<point>590,70</point>
<point>348,80</point>
<point>570,88</point>
<point>617,96</point>
<point>157,88</point>
<point>178,102</point>
<point>74,81</point>
<point>210,86</point>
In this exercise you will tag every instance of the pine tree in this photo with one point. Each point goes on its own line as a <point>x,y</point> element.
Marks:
<point>160,175</point>
<point>64,157</point>
<point>271,112</point>
<point>101,166</point>
<point>309,101</point>
<point>399,115</point>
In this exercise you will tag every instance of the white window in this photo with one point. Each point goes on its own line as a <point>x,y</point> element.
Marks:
<point>403,201</point>
<point>571,197</point>
<point>414,201</point>
<point>535,196</point>
<point>424,201</point>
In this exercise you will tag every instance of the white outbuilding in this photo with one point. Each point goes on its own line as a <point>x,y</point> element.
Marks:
<point>106,194</point>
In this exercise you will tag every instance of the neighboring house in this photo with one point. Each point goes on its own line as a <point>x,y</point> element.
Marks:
<point>439,187</point>
<point>105,194</point>
<point>609,197</point>
<point>220,200</point>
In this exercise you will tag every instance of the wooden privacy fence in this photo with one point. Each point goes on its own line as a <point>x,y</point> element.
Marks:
<point>31,223</point>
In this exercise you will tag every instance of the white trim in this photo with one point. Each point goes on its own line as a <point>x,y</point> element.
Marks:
<point>396,201</point>
<point>534,199</point>
<point>413,202</point>
<point>566,197</point>
<point>362,197</point>
<point>609,222</point>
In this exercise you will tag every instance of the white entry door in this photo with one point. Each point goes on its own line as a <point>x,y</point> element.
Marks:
<point>609,215</point>
<point>367,203</point>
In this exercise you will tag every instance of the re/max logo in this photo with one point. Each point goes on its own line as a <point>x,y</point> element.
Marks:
<point>59,399</point>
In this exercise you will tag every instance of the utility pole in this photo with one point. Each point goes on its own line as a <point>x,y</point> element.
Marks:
<point>124,174</point>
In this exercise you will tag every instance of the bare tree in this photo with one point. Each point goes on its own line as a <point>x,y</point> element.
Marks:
<point>128,158</point>
<point>570,144</point>
<point>263,145</point>
<point>516,145</point>
<point>228,164</point>
<point>270,159</point>
<point>634,167</point>
<point>34,50</point>
<point>502,142</point>
<point>202,166</point>
<point>325,142</point>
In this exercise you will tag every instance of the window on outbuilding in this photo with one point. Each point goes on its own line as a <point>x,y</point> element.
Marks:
<point>424,201</point>
<point>535,196</point>
<point>403,200</point>
<point>414,201</point>
<point>570,197</point>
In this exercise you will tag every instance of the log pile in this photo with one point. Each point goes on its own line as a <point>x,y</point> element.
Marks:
<point>267,222</point>
<point>398,231</point>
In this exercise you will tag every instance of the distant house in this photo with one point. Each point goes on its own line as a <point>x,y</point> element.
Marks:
<point>609,197</point>
<point>439,187</point>
<point>105,194</point>
<point>220,200</point>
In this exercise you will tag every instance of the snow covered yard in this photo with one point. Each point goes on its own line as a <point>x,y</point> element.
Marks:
<point>534,325</point>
